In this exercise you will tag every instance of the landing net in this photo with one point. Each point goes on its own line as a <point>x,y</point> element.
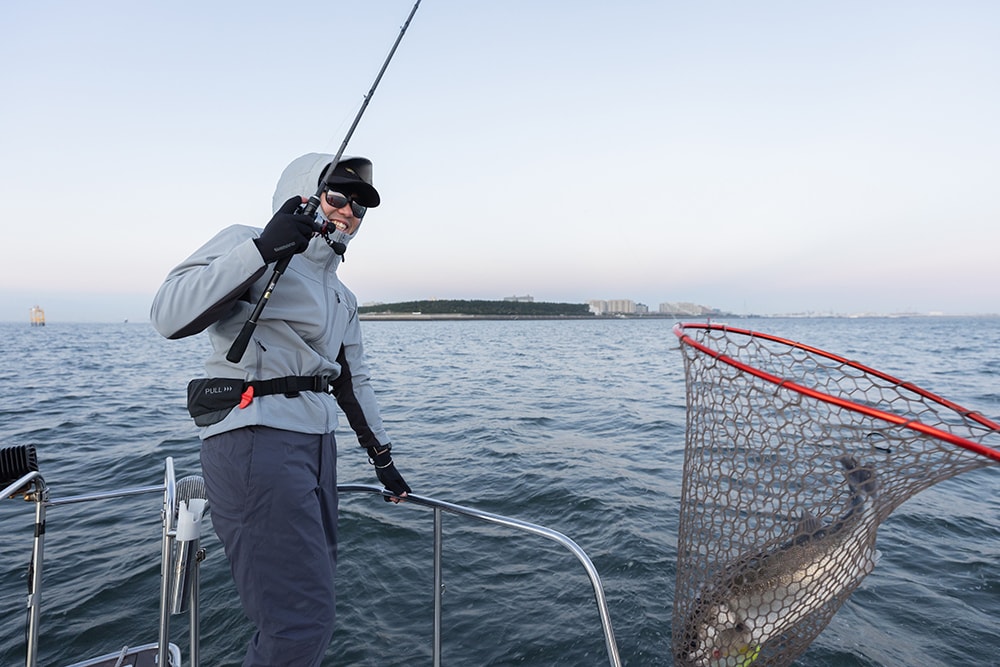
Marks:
<point>793,458</point>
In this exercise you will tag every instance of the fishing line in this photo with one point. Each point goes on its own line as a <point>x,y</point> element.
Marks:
<point>239,346</point>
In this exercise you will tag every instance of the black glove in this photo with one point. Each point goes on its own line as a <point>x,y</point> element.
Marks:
<point>286,234</point>
<point>386,470</point>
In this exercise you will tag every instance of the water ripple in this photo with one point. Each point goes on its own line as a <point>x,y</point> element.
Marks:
<point>578,426</point>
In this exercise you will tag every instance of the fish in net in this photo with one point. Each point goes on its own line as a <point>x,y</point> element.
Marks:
<point>793,457</point>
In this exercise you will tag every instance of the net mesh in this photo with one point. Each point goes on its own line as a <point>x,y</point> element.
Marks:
<point>793,458</point>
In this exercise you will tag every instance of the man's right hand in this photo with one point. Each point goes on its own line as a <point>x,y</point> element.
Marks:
<point>286,234</point>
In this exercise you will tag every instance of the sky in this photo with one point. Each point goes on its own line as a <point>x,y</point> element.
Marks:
<point>756,157</point>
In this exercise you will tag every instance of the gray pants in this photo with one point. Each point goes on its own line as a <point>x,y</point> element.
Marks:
<point>273,499</point>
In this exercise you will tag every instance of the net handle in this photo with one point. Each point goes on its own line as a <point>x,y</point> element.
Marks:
<point>983,450</point>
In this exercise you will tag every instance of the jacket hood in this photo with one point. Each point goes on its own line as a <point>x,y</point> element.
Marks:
<point>301,177</point>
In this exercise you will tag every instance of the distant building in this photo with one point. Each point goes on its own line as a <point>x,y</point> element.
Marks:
<point>520,299</point>
<point>629,307</point>
<point>684,308</point>
<point>613,307</point>
<point>623,306</point>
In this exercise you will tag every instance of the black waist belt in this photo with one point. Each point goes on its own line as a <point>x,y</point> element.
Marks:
<point>289,385</point>
<point>211,399</point>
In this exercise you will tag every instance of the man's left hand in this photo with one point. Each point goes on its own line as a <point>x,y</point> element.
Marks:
<point>381,458</point>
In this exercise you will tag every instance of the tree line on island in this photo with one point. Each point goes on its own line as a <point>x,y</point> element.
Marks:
<point>479,307</point>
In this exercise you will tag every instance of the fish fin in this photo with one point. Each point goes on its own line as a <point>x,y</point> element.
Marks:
<point>808,524</point>
<point>807,528</point>
<point>861,479</point>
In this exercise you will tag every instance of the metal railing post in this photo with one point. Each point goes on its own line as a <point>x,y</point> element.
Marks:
<point>438,586</point>
<point>35,596</point>
<point>194,613</point>
<point>169,493</point>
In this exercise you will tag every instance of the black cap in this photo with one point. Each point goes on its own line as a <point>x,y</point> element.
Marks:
<point>353,176</point>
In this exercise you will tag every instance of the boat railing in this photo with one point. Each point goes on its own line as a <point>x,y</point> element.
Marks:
<point>42,501</point>
<point>440,506</point>
<point>32,487</point>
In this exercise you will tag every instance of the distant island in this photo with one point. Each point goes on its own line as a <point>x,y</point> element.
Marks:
<point>521,308</point>
<point>461,308</point>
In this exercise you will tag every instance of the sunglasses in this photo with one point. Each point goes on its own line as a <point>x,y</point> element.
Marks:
<point>338,200</point>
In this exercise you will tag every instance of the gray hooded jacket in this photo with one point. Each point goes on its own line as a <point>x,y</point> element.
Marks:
<point>309,327</point>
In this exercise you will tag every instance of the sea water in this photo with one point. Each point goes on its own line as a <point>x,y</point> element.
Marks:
<point>575,425</point>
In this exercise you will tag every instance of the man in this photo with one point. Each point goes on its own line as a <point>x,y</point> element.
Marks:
<point>267,421</point>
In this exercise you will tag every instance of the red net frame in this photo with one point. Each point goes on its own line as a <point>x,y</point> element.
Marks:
<point>681,331</point>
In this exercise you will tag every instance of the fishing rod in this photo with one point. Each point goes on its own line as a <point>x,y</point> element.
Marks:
<point>239,346</point>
